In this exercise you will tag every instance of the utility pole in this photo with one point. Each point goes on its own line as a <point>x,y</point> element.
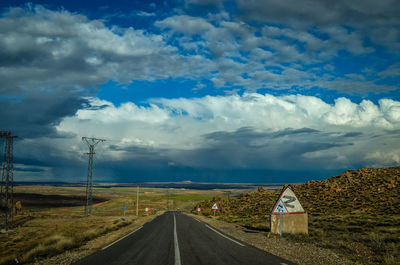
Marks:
<point>137,201</point>
<point>7,180</point>
<point>167,200</point>
<point>91,142</point>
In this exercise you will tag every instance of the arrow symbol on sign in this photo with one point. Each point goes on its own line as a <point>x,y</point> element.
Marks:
<point>290,200</point>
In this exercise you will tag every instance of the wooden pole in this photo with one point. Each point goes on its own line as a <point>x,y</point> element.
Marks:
<point>137,201</point>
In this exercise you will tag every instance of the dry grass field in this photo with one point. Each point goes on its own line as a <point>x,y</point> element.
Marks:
<point>52,220</point>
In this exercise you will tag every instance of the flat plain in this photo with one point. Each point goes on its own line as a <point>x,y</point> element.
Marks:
<point>52,219</point>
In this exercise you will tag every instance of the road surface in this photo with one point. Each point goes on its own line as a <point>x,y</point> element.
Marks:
<point>177,239</point>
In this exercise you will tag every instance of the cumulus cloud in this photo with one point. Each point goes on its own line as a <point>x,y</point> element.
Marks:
<point>243,132</point>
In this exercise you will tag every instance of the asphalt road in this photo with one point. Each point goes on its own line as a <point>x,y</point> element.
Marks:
<point>177,239</point>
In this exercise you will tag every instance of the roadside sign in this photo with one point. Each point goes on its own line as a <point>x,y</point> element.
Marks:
<point>124,208</point>
<point>214,208</point>
<point>146,209</point>
<point>288,203</point>
<point>198,209</point>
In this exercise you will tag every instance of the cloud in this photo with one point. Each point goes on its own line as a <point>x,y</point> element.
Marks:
<point>322,12</point>
<point>36,113</point>
<point>51,60</point>
<point>145,14</point>
<point>185,24</point>
<point>246,132</point>
<point>377,19</point>
<point>39,43</point>
<point>52,64</point>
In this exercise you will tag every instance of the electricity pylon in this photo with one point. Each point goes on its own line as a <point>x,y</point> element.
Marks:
<point>7,180</point>
<point>91,142</point>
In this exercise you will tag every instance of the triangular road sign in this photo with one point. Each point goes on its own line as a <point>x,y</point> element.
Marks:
<point>287,203</point>
<point>215,207</point>
<point>280,207</point>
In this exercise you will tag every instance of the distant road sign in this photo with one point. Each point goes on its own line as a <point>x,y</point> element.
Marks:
<point>287,203</point>
<point>125,207</point>
<point>146,209</point>
<point>198,209</point>
<point>214,208</point>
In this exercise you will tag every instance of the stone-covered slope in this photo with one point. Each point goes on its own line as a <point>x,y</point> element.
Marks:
<point>364,190</point>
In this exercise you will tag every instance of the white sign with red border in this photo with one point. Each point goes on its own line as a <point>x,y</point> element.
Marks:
<point>146,209</point>
<point>214,208</point>
<point>198,209</point>
<point>288,203</point>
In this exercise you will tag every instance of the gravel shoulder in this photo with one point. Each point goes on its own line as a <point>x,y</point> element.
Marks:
<point>300,253</point>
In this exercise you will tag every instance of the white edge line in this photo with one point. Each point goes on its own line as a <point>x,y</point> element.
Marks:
<point>196,219</point>
<point>121,238</point>
<point>225,236</point>
<point>177,253</point>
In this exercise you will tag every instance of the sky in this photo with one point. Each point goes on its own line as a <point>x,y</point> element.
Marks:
<point>250,91</point>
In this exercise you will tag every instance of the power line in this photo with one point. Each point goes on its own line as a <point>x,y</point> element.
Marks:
<point>7,180</point>
<point>91,142</point>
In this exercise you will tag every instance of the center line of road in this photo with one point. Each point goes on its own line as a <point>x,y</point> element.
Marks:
<point>225,236</point>
<point>121,238</point>
<point>177,253</point>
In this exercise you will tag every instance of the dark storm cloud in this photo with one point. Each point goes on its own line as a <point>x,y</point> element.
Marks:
<point>245,148</point>
<point>143,156</point>
<point>248,148</point>
<point>353,134</point>
<point>29,169</point>
<point>36,114</point>
<point>243,155</point>
<point>377,20</point>
<point>323,12</point>
<point>244,134</point>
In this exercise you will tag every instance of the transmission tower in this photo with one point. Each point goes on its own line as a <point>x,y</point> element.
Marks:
<point>7,180</point>
<point>91,142</point>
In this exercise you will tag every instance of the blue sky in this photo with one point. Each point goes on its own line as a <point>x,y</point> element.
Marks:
<point>201,90</point>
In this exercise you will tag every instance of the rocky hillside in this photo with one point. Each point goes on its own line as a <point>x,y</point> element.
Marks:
<point>365,190</point>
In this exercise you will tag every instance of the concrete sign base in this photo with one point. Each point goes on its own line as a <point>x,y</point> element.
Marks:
<point>291,223</point>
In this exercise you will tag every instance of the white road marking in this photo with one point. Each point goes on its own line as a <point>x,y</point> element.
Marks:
<point>121,238</point>
<point>177,253</point>
<point>225,236</point>
<point>283,264</point>
<point>196,219</point>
